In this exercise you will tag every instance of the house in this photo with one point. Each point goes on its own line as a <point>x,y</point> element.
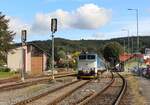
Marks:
<point>34,58</point>
<point>147,56</point>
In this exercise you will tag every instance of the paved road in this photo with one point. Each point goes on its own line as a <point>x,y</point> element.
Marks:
<point>145,89</point>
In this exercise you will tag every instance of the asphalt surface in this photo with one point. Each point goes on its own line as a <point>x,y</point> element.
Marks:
<point>145,89</point>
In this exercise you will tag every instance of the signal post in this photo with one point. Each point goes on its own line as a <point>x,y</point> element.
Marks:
<point>53,30</point>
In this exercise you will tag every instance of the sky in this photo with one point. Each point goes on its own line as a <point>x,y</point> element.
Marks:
<point>77,19</point>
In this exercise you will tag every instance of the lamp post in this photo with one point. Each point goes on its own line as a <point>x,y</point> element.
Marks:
<point>137,27</point>
<point>124,44</point>
<point>132,44</point>
<point>137,30</point>
<point>128,32</point>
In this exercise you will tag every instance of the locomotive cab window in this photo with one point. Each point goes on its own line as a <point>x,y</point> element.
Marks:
<point>82,57</point>
<point>91,57</point>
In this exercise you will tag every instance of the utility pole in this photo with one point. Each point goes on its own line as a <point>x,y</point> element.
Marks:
<point>128,34</point>
<point>53,30</point>
<point>23,40</point>
<point>124,44</point>
<point>137,27</point>
<point>137,32</point>
<point>132,45</point>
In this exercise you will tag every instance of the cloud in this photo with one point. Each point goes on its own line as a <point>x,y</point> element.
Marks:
<point>43,21</point>
<point>88,16</point>
<point>97,36</point>
<point>16,25</point>
<point>143,29</point>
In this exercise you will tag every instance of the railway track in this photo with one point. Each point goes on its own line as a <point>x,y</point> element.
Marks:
<point>87,92</point>
<point>53,96</point>
<point>111,95</point>
<point>108,91</point>
<point>17,78</point>
<point>32,81</point>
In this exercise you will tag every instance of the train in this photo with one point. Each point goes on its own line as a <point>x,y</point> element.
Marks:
<point>89,64</point>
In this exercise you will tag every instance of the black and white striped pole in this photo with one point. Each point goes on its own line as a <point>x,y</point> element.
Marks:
<point>53,30</point>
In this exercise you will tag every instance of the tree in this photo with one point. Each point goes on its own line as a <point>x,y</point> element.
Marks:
<point>111,52</point>
<point>6,37</point>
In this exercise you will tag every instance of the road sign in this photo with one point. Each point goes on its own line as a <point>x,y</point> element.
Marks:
<point>23,35</point>
<point>53,25</point>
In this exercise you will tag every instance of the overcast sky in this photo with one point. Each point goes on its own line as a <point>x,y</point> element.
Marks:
<point>87,19</point>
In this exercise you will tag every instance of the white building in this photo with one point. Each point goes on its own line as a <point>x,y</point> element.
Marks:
<point>34,57</point>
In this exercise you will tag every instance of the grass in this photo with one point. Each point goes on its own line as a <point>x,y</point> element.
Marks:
<point>133,83</point>
<point>4,75</point>
<point>138,99</point>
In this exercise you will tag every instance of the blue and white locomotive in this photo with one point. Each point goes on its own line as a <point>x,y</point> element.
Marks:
<point>89,65</point>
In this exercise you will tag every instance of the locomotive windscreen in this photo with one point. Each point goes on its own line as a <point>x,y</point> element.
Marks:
<point>91,56</point>
<point>82,57</point>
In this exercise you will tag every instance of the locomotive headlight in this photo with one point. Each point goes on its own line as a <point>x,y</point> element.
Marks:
<point>92,69</point>
<point>80,69</point>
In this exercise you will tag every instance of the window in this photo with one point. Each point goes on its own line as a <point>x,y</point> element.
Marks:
<point>82,57</point>
<point>91,57</point>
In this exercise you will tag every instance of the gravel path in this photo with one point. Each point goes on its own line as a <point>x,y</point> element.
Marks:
<point>13,96</point>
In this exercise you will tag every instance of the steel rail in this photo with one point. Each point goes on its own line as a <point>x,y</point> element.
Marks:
<point>24,102</point>
<point>66,94</point>
<point>92,96</point>
<point>17,78</point>
<point>18,85</point>
<point>119,96</point>
<point>122,91</point>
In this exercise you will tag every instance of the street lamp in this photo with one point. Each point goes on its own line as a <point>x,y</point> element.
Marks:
<point>128,38</point>
<point>137,19</point>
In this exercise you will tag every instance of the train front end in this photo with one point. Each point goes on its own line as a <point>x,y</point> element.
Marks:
<point>87,66</point>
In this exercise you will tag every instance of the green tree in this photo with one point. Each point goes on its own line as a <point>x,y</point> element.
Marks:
<point>61,54</point>
<point>111,52</point>
<point>6,38</point>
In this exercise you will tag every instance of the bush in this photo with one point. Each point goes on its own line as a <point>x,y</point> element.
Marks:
<point>4,69</point>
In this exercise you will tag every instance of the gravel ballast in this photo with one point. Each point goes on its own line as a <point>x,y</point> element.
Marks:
<point>13,96</point>
<point>93,87</point>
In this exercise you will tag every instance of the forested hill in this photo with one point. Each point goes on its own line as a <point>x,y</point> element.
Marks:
<point>89,45</point>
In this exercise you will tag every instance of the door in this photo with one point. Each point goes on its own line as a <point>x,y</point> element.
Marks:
<point>37,65</point>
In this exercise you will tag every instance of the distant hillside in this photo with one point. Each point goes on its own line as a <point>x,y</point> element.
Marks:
<point>89,45</point>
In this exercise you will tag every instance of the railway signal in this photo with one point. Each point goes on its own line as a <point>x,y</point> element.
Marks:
<point>23,35</point>
<point>23,40</point>
<point>53,30</point>
<point>53,25</point>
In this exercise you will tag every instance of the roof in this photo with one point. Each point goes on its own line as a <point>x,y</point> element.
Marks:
<point>124,57</point>
<point>36,46</point>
